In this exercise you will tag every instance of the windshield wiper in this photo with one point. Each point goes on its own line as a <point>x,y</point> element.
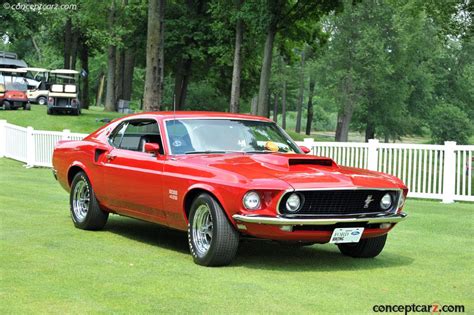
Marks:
<point>260,152</point>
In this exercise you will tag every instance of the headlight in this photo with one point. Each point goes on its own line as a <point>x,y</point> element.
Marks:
<point>251,200</point>
<point>386,202</point>
<point>293,203</point>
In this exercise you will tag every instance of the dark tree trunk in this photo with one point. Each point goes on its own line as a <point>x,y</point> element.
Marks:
<point>262,104</point>
<point>299,105</point>
<point>283,105</point>
<point>235,89</point>
<point>344,116</point>
<point>129,65</point>
<point>182,77</point>
<point>369,131</point>
<point>67,43</point>
<point>153,94</point>
<point>275,108</point>
<point>119,74</point>
<point>237,68</point>
<point>309,121</point>
<point>74,46</point>
<point>84,56</point>
<point>110,90</point>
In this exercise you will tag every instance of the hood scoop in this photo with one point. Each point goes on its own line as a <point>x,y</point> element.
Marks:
<point>288,160</point>
<point>313,161</point>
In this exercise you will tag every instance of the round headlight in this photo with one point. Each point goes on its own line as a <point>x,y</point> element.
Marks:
<point>251,200</point>
<point>293,203</point>
<point>386,202</point>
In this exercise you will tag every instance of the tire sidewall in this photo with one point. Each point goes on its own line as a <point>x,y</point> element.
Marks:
<point>80,176</point>
<point>211,203</point>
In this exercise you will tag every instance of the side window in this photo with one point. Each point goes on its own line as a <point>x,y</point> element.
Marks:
<point>116,137</point>
<point>138,132</point>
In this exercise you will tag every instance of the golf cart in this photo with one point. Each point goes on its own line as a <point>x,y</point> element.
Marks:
<point>13,88</point>
<point>63,92</point>
<point>38,86</point>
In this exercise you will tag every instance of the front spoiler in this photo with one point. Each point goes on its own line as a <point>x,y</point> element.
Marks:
<point>393,218</point>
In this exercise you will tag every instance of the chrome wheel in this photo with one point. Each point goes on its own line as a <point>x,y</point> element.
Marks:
<point>202,229</point>
<point>81,199</point>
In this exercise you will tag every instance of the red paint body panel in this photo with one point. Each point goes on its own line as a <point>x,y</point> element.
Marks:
<point>154,188</point>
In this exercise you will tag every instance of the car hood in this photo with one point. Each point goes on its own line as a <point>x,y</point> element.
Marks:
<point>297,170</point>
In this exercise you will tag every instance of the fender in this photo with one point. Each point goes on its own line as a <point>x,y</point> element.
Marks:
<point>84,168</point>
<point>210,189</point>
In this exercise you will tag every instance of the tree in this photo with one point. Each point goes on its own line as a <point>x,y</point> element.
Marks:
<point>450,123</point>
<point>237,67</point>
<point>111,57</point>
<point>154,56</point>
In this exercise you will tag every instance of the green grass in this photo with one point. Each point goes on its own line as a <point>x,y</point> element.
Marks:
<point>38,119</point>
<point>48,266</point>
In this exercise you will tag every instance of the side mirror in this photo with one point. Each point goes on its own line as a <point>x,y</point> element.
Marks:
<point>305,149</point>
<point>153,148</point>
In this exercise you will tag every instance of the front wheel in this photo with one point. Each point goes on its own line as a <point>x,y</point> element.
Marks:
<point>85,210</point>
<point>7,105</point>
<point>42,100</point>
<point>213,241</point>
<point>366,248</point>
<point>27,106</point>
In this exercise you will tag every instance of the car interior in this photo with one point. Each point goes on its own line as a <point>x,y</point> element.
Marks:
<point>132,135</point>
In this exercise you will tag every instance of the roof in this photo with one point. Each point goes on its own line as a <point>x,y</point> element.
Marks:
<point>13,70</point>
<point>64,71</point>
<point>36,69</point>
<point>12,63</point>
<point>200,114</point>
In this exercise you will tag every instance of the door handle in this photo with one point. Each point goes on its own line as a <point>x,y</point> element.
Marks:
<point>110,157</point>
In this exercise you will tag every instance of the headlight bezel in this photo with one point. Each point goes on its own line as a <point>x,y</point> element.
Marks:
<point>257,196</point>
<point>381,203</point>
<point>300,205</point>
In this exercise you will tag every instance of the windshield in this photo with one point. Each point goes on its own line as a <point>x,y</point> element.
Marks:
<point>13,83</point>
<point>188,136</point>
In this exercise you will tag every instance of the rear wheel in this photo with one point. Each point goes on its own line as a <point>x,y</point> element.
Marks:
<point>213,241</point>
<point>27,106</point>
<point>49,111</point>
<point>85,210</point>
<point>7,105</point>
<point>42,100</point>
<point>366,248</point>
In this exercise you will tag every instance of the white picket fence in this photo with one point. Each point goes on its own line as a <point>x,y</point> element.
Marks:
<point>430,171</point>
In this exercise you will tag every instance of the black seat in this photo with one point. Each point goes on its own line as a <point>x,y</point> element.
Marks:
<point>150,139</point>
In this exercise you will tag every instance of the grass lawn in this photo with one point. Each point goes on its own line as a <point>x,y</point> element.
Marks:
<point>48,266</point>
<point>38,119</point>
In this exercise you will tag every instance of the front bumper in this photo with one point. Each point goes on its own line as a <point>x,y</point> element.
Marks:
<point>393,218</point>
<point>314,229</point>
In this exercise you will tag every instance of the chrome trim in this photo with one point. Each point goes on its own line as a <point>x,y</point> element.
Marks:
<point>400,191</point>
<point>394,218</point>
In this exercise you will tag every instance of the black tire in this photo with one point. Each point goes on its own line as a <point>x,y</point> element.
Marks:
<point>223,239</point>
<point>27,106</point>
<point>92,217</point>
<point>366,248</point>
<point>7,105</point>
<point>42,100</point>
<point>49,111</point>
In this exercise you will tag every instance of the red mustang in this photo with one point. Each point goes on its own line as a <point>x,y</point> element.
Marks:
<point>221,177</point>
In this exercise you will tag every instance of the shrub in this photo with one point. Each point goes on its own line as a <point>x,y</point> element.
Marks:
<point>450,123</point>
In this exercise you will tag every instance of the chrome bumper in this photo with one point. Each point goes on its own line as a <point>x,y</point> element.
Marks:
<point>394,218</point>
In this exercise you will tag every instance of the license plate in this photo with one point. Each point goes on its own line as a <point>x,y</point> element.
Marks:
<point>346,235</point>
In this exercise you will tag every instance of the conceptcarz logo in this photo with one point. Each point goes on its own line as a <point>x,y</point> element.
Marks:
<point>368,201</point>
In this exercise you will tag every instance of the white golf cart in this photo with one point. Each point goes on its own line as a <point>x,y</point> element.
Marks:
<point>63,92</point>
<point>38,85</point>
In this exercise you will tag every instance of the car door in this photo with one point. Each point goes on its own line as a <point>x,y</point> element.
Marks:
<point>132,177</point>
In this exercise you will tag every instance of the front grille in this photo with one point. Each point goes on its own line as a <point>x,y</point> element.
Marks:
<point>339,202</point>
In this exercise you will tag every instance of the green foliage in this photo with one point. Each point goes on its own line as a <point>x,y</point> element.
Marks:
<point>450,123</point>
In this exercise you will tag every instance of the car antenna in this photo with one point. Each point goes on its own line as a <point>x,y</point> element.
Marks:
<point>174,107</point>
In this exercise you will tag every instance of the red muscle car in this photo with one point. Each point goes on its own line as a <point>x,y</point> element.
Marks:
<point>222,177</point>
